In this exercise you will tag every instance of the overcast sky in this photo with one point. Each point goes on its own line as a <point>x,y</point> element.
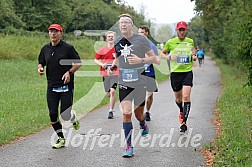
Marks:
<point>165,11</point>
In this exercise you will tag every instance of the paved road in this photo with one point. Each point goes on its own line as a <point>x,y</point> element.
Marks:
<point>98,141</point>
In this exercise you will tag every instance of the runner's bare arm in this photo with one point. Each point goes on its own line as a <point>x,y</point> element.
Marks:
<point>193,53</point>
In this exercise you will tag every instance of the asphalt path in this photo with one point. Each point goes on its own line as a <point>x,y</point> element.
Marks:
<point>99,141</point>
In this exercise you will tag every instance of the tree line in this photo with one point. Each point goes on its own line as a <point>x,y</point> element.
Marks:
<point>226,26</point>
<point>37,15</point>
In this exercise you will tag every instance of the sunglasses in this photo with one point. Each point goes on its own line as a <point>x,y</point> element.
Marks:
<point>53,31</point>
<point>182,29</point>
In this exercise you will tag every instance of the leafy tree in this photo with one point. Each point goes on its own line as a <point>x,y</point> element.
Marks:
<point>108,1</point>
<point>245,45</point>
<point>228,28</point>
<point>8,17</point>
<point>39,14</point>
<point>93,16</point>
<point>196,31</point>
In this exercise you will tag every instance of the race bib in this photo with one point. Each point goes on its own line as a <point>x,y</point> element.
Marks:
<point>129,75</point>
<point>183,59</point>
<point>61,89</point>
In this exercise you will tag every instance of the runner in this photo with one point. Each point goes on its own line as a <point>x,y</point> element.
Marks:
<point>200,55</point>
<point>182,53</point>
<point>150,72</point>
<point>60,80</point>
<point>203,58</point>
<point>130,57</point>
<point>104,58</point>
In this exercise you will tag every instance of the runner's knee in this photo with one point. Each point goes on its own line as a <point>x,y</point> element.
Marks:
<point>127,117</point>
<point>112,92</point>
<point>186,98</point>
<point>127,111</point>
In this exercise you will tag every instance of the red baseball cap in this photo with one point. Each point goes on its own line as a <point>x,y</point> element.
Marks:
<point>181,24</point>
<point>55,26</point>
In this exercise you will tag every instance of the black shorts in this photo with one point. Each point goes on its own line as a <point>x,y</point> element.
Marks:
<point>151,84</point>
<point>138,94</point>
<point>180,79</point>
<point>110,82</point>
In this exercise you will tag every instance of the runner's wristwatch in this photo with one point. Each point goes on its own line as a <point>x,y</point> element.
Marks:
<point>70,72</point>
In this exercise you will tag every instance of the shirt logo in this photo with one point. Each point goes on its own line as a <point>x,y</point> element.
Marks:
<point>126,51</point>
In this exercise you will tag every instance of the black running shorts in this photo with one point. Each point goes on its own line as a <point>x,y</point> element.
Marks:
<point>138,94</point>
<point>180,79</point>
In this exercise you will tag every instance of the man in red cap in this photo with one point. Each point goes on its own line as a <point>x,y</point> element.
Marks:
<point>60,79</point>
<point>181,54</point>
<point>56,27</point>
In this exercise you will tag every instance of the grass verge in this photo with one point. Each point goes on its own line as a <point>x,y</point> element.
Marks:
<point>233,145</point>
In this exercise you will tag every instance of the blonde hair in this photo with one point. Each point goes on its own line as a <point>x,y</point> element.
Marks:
<point>110,32</point>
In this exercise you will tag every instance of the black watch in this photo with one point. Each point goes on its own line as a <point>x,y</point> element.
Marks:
<point>70,72</point>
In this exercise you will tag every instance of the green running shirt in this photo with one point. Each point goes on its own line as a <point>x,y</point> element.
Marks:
<point>181,48</point>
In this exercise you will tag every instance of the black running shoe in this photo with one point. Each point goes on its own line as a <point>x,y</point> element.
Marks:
<point>110,116</point>
<point>147,116</point>
<point>183,127</point>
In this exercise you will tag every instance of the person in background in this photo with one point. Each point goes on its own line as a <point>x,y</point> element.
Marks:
<point>200,55</point>
<point>150,72</point>
<point>104,58</point>
<point>203,58</point>
<point>60,80</point>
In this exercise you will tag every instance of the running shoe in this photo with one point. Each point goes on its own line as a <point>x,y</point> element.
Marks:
<point>147,116</point>
<point>180,117</point>
<point>110,116</point>
<point>145,130</point>
<point>183,127</point>
<point>128,152</point>
<point>60,143</point>
<point>76,125</point>
<point>74,121</point>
